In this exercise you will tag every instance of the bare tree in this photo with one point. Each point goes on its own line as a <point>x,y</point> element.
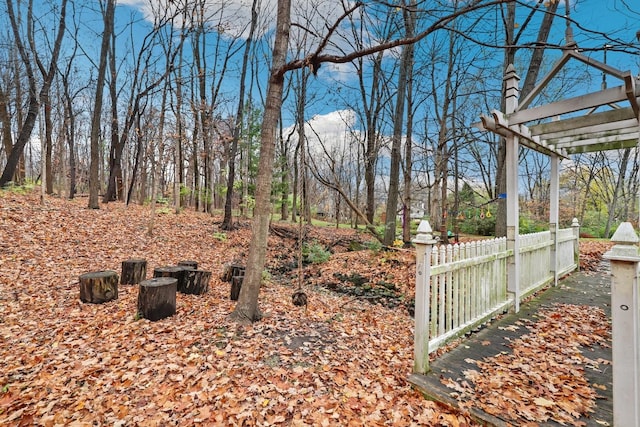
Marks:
<point>144,83</point>
<point>408,152</point>
<point>406,65</point>
<point>227,220</point>
<point>5,119</point>
<point>35,97</point>
<point>246,309</point>
<point>94,183</point>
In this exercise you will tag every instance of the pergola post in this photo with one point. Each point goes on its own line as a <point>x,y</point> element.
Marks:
<point>512,81</point>
<point>575,225</point>
<point>553,215</point>
<point>424,242</point>
<point>625,319</point>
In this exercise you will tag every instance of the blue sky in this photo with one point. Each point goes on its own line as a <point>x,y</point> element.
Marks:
<point>612,18</point>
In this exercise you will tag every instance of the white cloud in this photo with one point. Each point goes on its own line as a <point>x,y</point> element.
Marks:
<point>234,16</point>
<point>338,72</point>
<point>332,130</point>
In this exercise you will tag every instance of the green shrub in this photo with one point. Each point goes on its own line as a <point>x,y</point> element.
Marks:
<point>314,253</point>
<point>527,225</point>
<point>373,245</point>
<point>222,237</point>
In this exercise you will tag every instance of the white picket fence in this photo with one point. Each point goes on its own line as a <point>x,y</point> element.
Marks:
<point>465,287</point>
<point>468,281</point>
<point>535,261</point>
<point>567,254</point>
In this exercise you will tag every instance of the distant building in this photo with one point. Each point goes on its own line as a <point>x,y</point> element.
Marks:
<point>417,210</point>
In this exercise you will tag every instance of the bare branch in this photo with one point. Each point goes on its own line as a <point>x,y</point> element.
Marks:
<point>315,59</point>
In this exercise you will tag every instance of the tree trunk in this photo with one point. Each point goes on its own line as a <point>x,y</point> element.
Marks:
<point>247,307</point>
<point>408,150</point>
<point>227,221</point>
<point>178,148</point>
<point>371,144</point>
<point>157,165</point>
<point>5,120</point>
<point>114,184</point>
<point>398,127</point>
<point>48,138</point>
<point>284,178</point>
<point>136,161</point>
<point>70,134</point>
<point>26,129</point>
<point>622,171</point>
<point>96,118</point>
<point>296,185</point>
<point>538,52</point>
<point>303,178</point>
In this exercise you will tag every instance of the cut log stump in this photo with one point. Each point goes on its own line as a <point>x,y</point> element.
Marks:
<point>236,285</point>
<point>232,270</point>
<point>134,271</point>
<point>172,271</point>
<point>157,298</point>
<point>99,286</point>
<point>188,264</point>
<point>196,282</point>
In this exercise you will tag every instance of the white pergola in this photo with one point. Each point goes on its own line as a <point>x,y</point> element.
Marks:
<point>584,130</point>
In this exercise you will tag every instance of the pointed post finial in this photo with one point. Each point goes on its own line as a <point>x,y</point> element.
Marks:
<point>512,89</point>
<point>424,231</point>
<point>626,243</point>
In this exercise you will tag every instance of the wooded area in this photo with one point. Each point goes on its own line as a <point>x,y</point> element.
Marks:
<point>342,358</point>
<point>163,130</point>
<point>205,107</point>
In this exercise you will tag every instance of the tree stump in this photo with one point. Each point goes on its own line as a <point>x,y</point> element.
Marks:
<point>99,286</point>
<point>134,271</point>
<point>176,272</point>
<point>157,298</point>
<point>236,284</point>
<point>232,270</point>
<point>196,282</point>
<point>188,264</point>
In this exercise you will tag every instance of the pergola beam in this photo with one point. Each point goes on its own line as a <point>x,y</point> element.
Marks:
<point>589,146</point>
<point>497,123</point>
<point>608,130</point>
<point>613,119</point>
<point>630,85</point>
<point>595,137</point>
<point>571,105</point>
<point>566,56</point>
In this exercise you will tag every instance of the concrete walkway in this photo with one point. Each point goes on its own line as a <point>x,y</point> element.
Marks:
<point>580,288</point>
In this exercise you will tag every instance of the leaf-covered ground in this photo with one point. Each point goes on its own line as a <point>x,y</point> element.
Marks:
<point>543,377</point>
<point>340,361</point>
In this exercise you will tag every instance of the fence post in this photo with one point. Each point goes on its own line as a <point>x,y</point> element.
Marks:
<point>625,319</point>
<point>554,190</point>
<point>576,242</point>
<point>424,242</point>
<point>512,91</point>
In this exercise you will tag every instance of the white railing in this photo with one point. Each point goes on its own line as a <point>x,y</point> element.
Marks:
<point>535,261</point>
<point>467,282</point>
<point>567,260</point>
<point>466,287</point>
